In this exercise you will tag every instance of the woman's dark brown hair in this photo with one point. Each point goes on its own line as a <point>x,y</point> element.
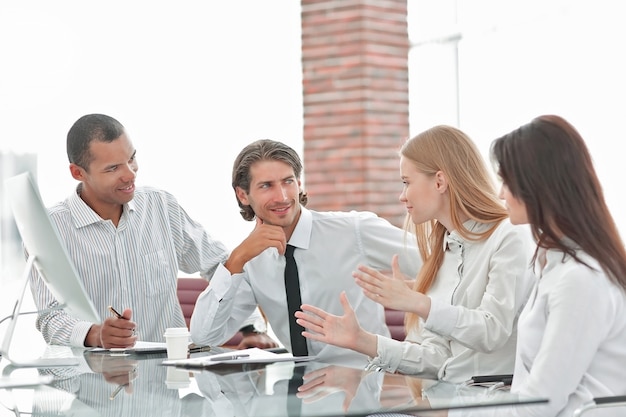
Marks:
<point>546,165</point>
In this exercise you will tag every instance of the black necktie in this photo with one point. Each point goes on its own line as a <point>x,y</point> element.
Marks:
<point>292,289</point>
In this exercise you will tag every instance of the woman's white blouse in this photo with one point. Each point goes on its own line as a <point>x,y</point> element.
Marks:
<point>572,337</point>
<point>572,341</point>
<point>476,299</point>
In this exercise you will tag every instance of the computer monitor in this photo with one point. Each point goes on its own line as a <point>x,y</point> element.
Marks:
<point>47,253</point>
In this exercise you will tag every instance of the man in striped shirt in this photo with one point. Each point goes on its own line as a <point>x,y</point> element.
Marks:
<point>127,243</point>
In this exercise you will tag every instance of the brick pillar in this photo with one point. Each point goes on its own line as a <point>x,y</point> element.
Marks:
<point>355,80</point>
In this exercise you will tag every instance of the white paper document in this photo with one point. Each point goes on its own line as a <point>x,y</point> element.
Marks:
<point>140,347</point>
<point>250,355</point>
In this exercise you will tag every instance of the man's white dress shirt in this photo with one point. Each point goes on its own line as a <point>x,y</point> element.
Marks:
<point>329,247</point>
<point>132,265</point>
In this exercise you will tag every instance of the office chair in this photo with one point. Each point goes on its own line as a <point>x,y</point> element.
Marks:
<point>188,290</point>
<point>395,323</point>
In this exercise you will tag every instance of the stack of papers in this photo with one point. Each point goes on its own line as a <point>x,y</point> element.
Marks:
<point>251,355</point>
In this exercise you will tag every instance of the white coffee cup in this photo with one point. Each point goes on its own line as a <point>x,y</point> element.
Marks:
<point>177,342</point>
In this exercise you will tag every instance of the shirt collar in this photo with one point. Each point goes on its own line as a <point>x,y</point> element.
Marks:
<point>301,236</point>
<point>454,238</point>
<point>554,257</point>
<point>450,239</point>
<point>83,215</point>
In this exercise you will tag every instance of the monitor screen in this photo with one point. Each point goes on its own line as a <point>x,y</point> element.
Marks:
<point>42,241</point>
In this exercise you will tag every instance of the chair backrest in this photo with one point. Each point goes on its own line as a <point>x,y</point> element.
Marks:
<point>188,291</point>
<point>395,322</point>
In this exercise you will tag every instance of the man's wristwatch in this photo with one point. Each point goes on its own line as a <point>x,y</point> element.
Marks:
<point>254,328</point>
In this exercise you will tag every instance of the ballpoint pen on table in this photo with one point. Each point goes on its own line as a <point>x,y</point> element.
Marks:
<point>230,357</point>
<point>203,364</point>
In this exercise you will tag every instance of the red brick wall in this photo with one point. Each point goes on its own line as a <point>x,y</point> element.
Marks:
<point>355,80</point>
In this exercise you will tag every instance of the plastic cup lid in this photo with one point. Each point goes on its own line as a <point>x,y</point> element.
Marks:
<point>176,331</point>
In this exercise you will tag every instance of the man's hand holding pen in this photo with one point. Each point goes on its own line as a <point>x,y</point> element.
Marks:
<point>118,331</point>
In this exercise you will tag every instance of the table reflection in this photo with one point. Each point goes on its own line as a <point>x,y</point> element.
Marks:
<point>120,386</point>
<point>322,390</point>
<point>116,386</point>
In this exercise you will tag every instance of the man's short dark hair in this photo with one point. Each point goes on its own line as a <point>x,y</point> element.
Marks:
<point>263,150</point>
<point>89,128</point>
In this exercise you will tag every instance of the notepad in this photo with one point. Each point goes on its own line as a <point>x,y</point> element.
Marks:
<point>250,355</point>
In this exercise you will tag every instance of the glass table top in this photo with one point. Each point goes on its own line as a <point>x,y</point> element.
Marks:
<point>139,385</point>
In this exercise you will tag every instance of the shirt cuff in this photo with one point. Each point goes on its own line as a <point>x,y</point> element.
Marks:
<point>388,355</point>
<point>442,318</point>
<point>79,334</point>
<point>223,280</point>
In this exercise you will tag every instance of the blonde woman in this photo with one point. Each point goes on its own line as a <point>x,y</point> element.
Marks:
<point>462,312</point>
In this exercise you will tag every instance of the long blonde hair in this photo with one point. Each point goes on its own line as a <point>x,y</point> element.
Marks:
<point>472,195</point>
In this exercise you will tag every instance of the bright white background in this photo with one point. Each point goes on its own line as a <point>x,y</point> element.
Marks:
<point>517,60</point>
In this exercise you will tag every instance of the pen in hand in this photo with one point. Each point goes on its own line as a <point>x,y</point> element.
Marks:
<point>118,315</point>
<point>115,313</point>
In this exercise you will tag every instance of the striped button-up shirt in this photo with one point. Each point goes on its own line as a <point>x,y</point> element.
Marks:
<point>134,265</point>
